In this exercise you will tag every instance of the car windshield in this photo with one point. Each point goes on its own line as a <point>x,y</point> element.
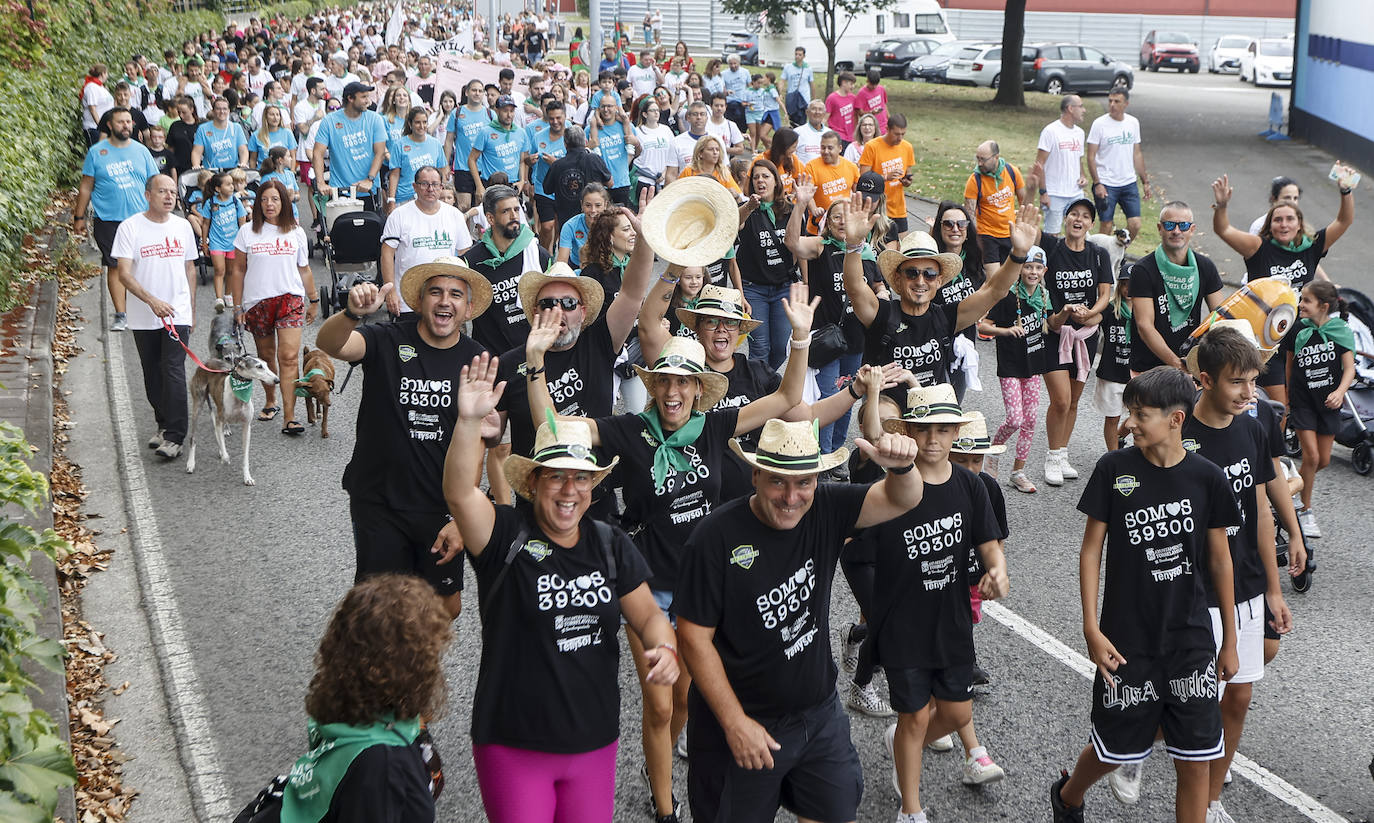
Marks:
<point>1233,43</point>
<point>1172,37</point>
<point>1276,48</point>
<point>970,52</point>
<point>888,45</point>
<point>948,49</point>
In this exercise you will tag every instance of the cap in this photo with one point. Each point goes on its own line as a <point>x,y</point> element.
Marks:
<point>505,100</point>
<point>355,88</point>
<point>1036,255</point>
<point>231,58</point>
<point>870,182</point>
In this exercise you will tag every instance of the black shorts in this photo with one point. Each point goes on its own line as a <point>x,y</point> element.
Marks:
<point>387,540</point>
<point>995,249</point>
<point>1177,693</point>
<point>1052,354</point>
<point>1275,372</point>
<point>545,207</point>
<point>900,224</point>
<point>816,774</point>
<point>1306,415</point>
<point>462,182</point>
<point>1269,632</point>
<point>621,196</point>
<point>103,231</point>
<point>910,690</point>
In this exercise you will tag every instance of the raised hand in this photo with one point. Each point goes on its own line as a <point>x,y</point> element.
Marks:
<point>365,298</point>
<point>803,189</point>
<point>478,390</point>
<point>543,332</point>
<point>891,451</point>
<point>858,217</point>
<point>1026,230</point>
<point>800,313</point>
<point>1221,190</point>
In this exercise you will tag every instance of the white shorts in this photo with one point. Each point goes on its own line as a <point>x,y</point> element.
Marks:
<point>1249,640</point>
<point>1054,213</point>
<point>1107,397</point>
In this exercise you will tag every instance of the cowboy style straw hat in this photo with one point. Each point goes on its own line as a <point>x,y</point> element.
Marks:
<point>561,443</point>
<point>791,449</point>
<point>973,437</point>
<point>717,301</point>
<point>1241,327</point>
<point>929,404</point>
<point>533,282</point>
<point>681,355</point>
<point>414,280</point>
<point>692,222</point>
<point>915,246</point>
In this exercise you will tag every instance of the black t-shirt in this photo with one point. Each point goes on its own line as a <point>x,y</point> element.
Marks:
<point>1147,282</point>
<point>549,678</point>
<point>610,280</point>
<point>164,159</point>
<point>140,122</point>
<point>181,138</point>
<point>763,259</point>
<point>566,177</point>
<point>1019,356</point>
<point>503,326</point>
<point>767,595</point>
<point>383,784</point>
<point>578,379</point>
<point>1297,267</point>
<point>970,280</point>
<point>1242,451</point>
<point>1153,601</point>
<point>825,276</point>
<point>998,501</point>
<point>1074,276</point>
<point>920,596</point>
<point>1270,419</point>
<point>749,380</point>
<point>1117,335</point>
<point>279,71</point>
<point>661,517</point>
<point>922,344</point>
<point>1317,369</point>
<point>406,417</point>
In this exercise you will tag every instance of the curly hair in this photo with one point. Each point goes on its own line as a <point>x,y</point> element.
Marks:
<point>598,249</point>
<point>381,654</point>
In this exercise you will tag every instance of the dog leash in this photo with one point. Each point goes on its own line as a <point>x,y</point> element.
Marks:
<point>171,330</point>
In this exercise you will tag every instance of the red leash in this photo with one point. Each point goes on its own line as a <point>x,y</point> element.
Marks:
<point>171,330</point>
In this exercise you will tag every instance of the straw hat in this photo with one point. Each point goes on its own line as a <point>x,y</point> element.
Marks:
<point>929,404</point>
<point>1241,327</point>
<point>684,356</point>
<point>915,246</point>
<point>561,443</point>
<point>973,437</point>
<point>790,449</point>
<point>692,222</point>
<point>533,282</point>
<point>718,301</point>
<point>414,280</point>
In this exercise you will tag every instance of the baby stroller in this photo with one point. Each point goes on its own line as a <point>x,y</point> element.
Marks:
<point>352,244</point>
<point>1356,431</point>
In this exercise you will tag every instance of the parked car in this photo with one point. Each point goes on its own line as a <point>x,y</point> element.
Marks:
<point>1224,56</point>
<point>1169,49</point>
<point>1056,68</point>
<point>1268,62</point>
<point>743,43</point>
<point>976,65</point>
<point>893,55</point>
<point>931,67</point>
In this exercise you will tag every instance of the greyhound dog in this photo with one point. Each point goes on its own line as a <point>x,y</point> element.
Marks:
<point>315,385</point>
<point>231,391</point>
<point>1115,245</point>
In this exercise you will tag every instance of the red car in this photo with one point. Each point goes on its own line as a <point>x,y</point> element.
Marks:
<point>1169,49</point>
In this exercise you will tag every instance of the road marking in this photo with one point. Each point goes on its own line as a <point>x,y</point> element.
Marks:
<point>1240,765</point>
<point>195,742</point>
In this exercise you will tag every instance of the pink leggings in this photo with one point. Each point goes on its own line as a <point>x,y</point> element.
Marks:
<point>524,786</point>
<point>1021,395</point>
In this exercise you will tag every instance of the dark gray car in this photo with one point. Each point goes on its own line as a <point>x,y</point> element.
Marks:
<point>1057,68</point>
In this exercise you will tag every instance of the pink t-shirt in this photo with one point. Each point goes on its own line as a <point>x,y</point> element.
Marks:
<point>840,108</point>
<point>872,100</point>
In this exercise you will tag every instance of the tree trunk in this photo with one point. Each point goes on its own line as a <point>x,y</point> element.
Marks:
<point>1010,89</point>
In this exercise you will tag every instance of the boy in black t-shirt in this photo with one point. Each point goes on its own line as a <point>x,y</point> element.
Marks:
<point>1163,513</point>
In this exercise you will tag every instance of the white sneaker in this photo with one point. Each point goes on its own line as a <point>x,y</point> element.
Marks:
<point>849,654</point>
<point>1226,781</point>
<point>991,464</point>
<point>1307,519</point>
<point>1054,475</point>
<point>1125,783</point>
<point>120,322</point>
<point>155,440</point>
<point>942,744</point>
<point>908,817</point>
<point>220,305</point>
<point>681,747</point>
<point>168,450</point>
<point>1069,472</point>
<point>888,736</point>
<point>1216,813</point>
<point>1022,483</point>
<point>865,700</point>
<point>981,770</point>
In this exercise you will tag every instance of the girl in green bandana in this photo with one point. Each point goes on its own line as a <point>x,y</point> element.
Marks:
<point>1321,366</point>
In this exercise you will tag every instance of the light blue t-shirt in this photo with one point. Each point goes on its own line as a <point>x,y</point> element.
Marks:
<point>711,85</point>
<point>798,79</point>
<point>120,175</point>
<point>409,156</point>
<point>464,124</point>
<point>736,81</point>
<point>224,218</point>
<point>542,144</point>
<point>611,144</point>
<point>349,142</point>
<point>573,236</point>
<point>500,151</point>
<point>394,127</point>
<point>221,146</point>
<point>280,137</point>
<point>287,179</point>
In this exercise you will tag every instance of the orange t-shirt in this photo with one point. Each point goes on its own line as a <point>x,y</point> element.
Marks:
<point>885,159</point>
<point>832,181</point>
<point>787,179</point>
<point>996,206</point>
<point>724,179</point>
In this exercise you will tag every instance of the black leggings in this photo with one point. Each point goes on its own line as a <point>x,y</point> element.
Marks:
<point>861,574</point>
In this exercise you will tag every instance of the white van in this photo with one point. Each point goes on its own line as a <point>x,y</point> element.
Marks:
<point>906,18</point>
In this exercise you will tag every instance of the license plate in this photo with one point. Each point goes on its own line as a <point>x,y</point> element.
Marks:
<point>1282,75</point>
<point>1178,60</point>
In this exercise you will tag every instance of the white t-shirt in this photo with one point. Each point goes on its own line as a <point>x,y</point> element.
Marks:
<point>298,82</point>
<point>680,150</point>
<point>1258,224</point>
<point>808,143</point>
<point>336,84</point>
<point>306,145</point>
<point>423,238</point>
<point>727,131</point>
<point>1116,141</point>
<point>854,152</point>
<point>274,262</point>
<point>305,109</point>
<point>1064,165</point>
<point>196,92</point>
<point>98,96</point>
<point>656,148</point>
<point>642,80</point>
<point>160,252</point>
<point>257,82</point>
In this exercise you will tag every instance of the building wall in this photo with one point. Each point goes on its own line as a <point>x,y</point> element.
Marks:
<point>1233,8</point>
<point>1333,77</point>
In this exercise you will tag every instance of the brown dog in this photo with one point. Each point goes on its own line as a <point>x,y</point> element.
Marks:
<point>315,384</point>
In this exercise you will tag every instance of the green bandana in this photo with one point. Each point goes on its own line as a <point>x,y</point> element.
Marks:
<point>767,208</point>
<point>1334,330</point>
<point>669,453</point>
<point>1181,283</point>
<point>333,746</point>
<point>517,246</point>
<point>303,382</point>
<point>1297,248</point>
<point>995,174</point>
<point>960,275</point>
<point>1125,314</point>
<point>1036,298</point>
<point>243,389</point>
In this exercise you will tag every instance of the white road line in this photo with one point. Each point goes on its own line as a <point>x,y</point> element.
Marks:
<point>195,742</point>
<point>1241,765</point>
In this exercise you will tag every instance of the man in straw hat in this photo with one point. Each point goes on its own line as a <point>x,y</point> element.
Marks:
<point>910,329</point>
<point>405,418</point>
<point>753,612</point>
<point>922,625</point>
<point>420,231</point>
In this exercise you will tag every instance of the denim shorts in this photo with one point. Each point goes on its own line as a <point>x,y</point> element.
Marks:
<point>1127,196</point>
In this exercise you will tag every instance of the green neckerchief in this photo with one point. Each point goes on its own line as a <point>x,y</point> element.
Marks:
<point>1334,330</point>
<point>496,124</point>
<point>1296,248</point>
<point>995,174</point>
<point>1036,299</point>
<point>669,454</point>
<point>1125,314</point>
<point>620,263</point>
<point>960,275</point>
<point>866,252</point>
<point>333,747</point>
<point>303,382</point>
<point>767,208</point>
<point>827,240</point>
<point>517,246</point>
<point>243,389</point>
<point>1181,283</point>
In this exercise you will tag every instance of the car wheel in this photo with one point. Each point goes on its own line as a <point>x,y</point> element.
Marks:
<point>1121,82</point>
<point>996,78</point>
<point>1192,69</point>
<point>1254,77</point>
<point>1054,86</point>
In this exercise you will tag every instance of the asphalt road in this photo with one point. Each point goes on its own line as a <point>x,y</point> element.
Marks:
<point>235,592</point>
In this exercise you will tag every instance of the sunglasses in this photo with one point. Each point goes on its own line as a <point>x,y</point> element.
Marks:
<point>712,323</point>
<point>564,303</point>
<point>954,224</point>
<point>582,481</point>
<point>1176,225</point>
<point>916,274</point>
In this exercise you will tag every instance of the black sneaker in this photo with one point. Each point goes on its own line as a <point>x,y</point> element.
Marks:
<point>667,818</point>
<point>980,676</point>
<point>1063,812</point>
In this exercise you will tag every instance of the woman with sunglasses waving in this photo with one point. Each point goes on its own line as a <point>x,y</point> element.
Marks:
<point>957,233</point>
<point>673,453</point>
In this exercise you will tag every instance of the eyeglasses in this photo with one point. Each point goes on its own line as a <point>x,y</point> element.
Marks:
<point>713,323</point>
<point>916,274</point>
<point>1176,225</point>
<point>564,303</point>
<point>428,184</point>
<point>582,481</point>
<point>954,224</point>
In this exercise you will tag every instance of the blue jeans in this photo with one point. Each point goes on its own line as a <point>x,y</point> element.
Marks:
<point>769,341</point>
<point>827,376</point>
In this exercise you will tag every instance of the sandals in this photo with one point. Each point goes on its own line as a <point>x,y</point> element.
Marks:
<point>268,413</point>
<point>293,427</point>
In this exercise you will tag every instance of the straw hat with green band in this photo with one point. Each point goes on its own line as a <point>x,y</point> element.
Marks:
<point>790,449</point>
<point>929,404</point>
<point>916,246</point>
<point>973,437</point>
<point>686,357</point>
<point>561,443</point>
<point>717,301</point>
<point>414,280</point>
<point>533,282</point>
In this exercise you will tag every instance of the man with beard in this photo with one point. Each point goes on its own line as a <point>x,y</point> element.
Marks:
<point>406,416</point>
<point>502,254</point>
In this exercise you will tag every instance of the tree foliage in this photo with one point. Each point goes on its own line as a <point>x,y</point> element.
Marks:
<point>832,19</point>
<point>1011,91</point>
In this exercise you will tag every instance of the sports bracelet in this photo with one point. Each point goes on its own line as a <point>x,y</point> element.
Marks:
<point>1346,191</point>
<point>1013,257</point>
<point>798,345</point>
<point>347,312</point>
<point>533,374</point>
<point>904,469</point>
<point>669,647</point>
<point>316,300</point>
<point>853,393</point>
<point>853,249</point>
